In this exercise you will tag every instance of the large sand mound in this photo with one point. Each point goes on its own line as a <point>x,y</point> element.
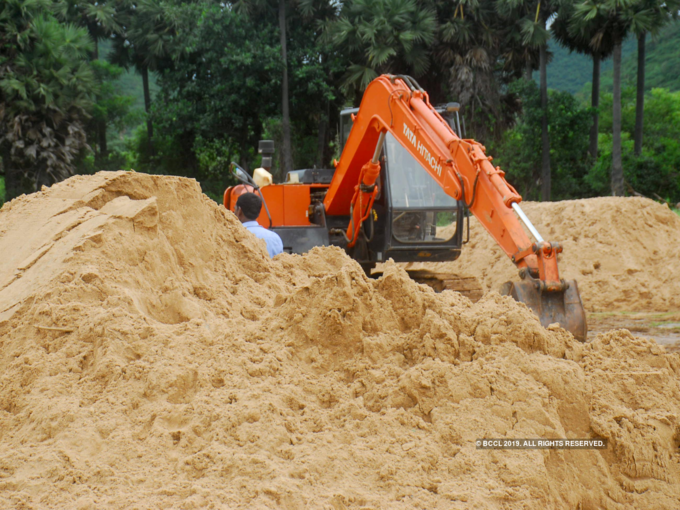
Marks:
<point>622,251</point>
<point>152,356</point>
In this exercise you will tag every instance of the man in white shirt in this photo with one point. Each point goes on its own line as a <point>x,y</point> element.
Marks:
<point>248,207</point>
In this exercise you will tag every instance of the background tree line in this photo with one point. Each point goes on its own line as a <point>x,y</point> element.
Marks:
<point>226,74</point>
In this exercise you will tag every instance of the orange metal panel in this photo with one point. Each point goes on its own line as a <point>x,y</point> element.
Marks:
<point>296,199</point>
<point>288,204</point>
<point>273,194</point>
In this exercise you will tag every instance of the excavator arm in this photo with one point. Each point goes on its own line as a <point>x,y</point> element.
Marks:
<point>461,167</point>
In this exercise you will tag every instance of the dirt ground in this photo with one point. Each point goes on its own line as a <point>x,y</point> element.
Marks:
<point>621,251</point>
<point>664,328</point>
<point>153,356</point>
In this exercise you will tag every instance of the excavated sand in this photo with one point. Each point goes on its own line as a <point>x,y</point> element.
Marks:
<point>152,356</point>
<point>623,252</point>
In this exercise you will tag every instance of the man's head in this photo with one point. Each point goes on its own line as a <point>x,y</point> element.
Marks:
<point>248,207</point>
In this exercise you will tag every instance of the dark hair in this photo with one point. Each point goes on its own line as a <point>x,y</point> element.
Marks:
<point>250,204</point>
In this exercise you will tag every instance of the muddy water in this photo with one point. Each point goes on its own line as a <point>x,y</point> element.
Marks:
<point>662,327</point>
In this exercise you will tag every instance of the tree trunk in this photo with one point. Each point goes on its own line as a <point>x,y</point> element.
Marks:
<point>286,152</point>
<point>595,103</point>
<point>617,164</point>
<point>321,140</point>
<point>545,141</point>
<point>640,100</point>
<point>101,131</point>
<point>13,184</point>
<point>527,68</point>
<point>100,125</point>
<point>147,106</point>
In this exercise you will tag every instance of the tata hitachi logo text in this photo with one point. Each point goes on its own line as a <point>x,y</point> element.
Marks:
<point>429,158</point>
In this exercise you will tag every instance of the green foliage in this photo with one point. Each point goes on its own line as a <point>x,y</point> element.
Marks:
<point>571,72</point>
<point>314,77</point>
<point>2,191</point>
<point>128,82</point>
<point>97,16</point>
<point>123,157</point>
<point>460,51</point>
<point>215,93</point>
<point>519,152</point>
<point>149,28</point>
<point>220,93</point>
<point>111,107</point>
<point>48,70</point>
<point>213,156</point>
<point>219,70</point>
<point>46,86</point>
<point>383,36</point>
<point>656,173</point>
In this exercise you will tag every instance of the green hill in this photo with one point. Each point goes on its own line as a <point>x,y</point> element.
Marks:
<point>570,71</point>
<point>662,61</point>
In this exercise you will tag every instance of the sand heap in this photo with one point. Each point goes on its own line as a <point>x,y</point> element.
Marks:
<point>152,356</point>
<point>622,251</point>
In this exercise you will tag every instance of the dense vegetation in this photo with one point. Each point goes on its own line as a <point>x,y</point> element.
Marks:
<point>183,88</point>
<point>576,175</point>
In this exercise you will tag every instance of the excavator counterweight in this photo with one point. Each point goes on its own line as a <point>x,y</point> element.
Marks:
<point>405,183</point>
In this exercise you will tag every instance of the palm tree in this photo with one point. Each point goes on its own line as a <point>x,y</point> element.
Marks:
<point>300,10</point>
<point>383,36</point>
<point>622,16</point>
<point>469,43</point>
<point>97,16</point>
<point>100,20</point>
<point>320,13</point>
<point>587,38</point>
<point>661,12</point>
<point>46,85</point>
<point>263,8</point>
<point>516,53</point>
<point>287,155</point>
<point>533,18</point>
<point>149,27</point>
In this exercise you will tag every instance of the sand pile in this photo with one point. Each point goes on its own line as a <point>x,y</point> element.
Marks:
<point>622,251</point>
<point>152,356</point>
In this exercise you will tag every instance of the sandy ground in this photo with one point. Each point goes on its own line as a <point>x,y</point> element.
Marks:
<point>153,356</point>
<point>622,251</point>
<point>664,328</point>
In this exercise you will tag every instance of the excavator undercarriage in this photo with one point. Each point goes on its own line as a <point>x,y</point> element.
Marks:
<point>440,281</point>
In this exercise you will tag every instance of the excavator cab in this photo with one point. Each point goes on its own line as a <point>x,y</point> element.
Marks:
<point>413,218</point>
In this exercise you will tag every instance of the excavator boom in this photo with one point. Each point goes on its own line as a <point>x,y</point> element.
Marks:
<point>397,104</point>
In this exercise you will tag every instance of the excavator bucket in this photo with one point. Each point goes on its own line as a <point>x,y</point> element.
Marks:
<point>564,307</point>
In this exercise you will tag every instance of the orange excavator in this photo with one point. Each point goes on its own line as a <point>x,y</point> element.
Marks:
<point>402,189</point>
